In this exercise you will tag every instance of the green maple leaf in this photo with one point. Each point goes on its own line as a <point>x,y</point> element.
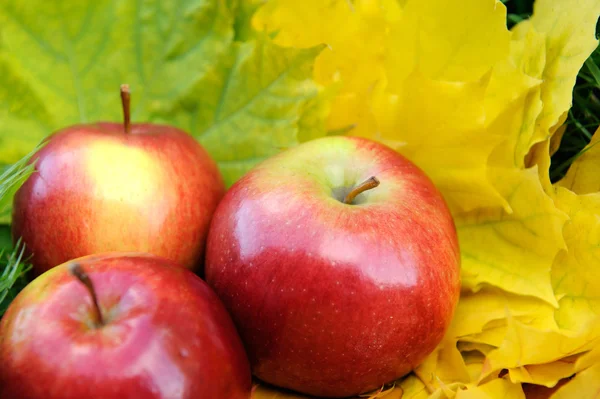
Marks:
<point>61,63</point>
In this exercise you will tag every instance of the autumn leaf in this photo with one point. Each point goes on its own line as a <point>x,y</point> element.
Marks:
<point>588,359</point>
<point>444,366</point>
<point>585,385</point>
<point>582,176</point>
<point>476,311</point>
<point>575,283</point>
<point>546,374</point>
<point>570,38</point>
<point>498,388</point>
<point>533,353</point>
<point>480,109</point>
<point>496,244</point>
<point>244,101</point>
<point>529,118</point>
<point>524,345</point>
<point>387,82</point>
<point>575,279</point>
<point>408,120</point>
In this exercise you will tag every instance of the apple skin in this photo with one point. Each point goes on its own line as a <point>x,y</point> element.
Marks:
<point>330,299</point>
<point>98,189</point>
<point>167,335</point>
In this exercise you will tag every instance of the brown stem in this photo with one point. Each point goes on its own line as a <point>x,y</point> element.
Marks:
<point>77,271</point>
<point>126,100</point>
<point>368,184</point>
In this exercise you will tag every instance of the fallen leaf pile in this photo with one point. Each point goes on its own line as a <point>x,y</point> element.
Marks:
<point>479,107</point>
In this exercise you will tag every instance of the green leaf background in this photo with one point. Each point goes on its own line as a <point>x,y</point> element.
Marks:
<point>195,64</point>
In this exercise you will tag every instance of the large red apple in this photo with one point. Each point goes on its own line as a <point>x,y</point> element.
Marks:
<point>339,262</point>
<point>160,332</point>
<point>117,187</point>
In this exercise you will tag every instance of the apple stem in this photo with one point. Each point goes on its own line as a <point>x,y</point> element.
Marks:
<point>77,271</point>
<point>368,184</point>
<point>126,101</point>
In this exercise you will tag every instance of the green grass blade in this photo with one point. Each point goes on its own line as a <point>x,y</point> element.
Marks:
<point>11,179</point>
<point>594,70</point>
<point>12,279</point>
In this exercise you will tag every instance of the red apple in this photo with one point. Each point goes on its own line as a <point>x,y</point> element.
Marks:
<point>111,187</point>
<point>159,332</point>
<point>339,262</point>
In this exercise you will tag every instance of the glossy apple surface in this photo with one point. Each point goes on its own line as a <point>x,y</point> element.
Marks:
<point>166,335</point>
<point>335,299</point>
<point>97,189</point>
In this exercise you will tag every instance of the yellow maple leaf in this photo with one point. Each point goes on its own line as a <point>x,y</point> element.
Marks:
<point>570,34</point>
<point>457,158</point>
<point>476,313</point>
<point>513,99</point>
<point>575,282</point>
<point>451,43</point>
<point>547,374</point>
<point>349,59</point>
<point>588,359</point>
<point>387,82</point>
<point>413,388</point>
<point>513,251</point>
<point>444,366</point>
<point>498,388</point>
<point>575,275</point>
<point>474,357</point>
<point>548,49</point>
<point>582,176</point>
<point>538,105</point>
<point>525,345</point>
<point>539,155</point>
<point>585,385</point>
<point>473,349</point>
<point>492,335</point>
<point>480,109</point>
<point>535,353</point>
<point>452,365</point>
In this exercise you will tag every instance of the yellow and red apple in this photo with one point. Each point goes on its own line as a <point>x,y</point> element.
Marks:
<point>339,263</point>
<point>117,187</point>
